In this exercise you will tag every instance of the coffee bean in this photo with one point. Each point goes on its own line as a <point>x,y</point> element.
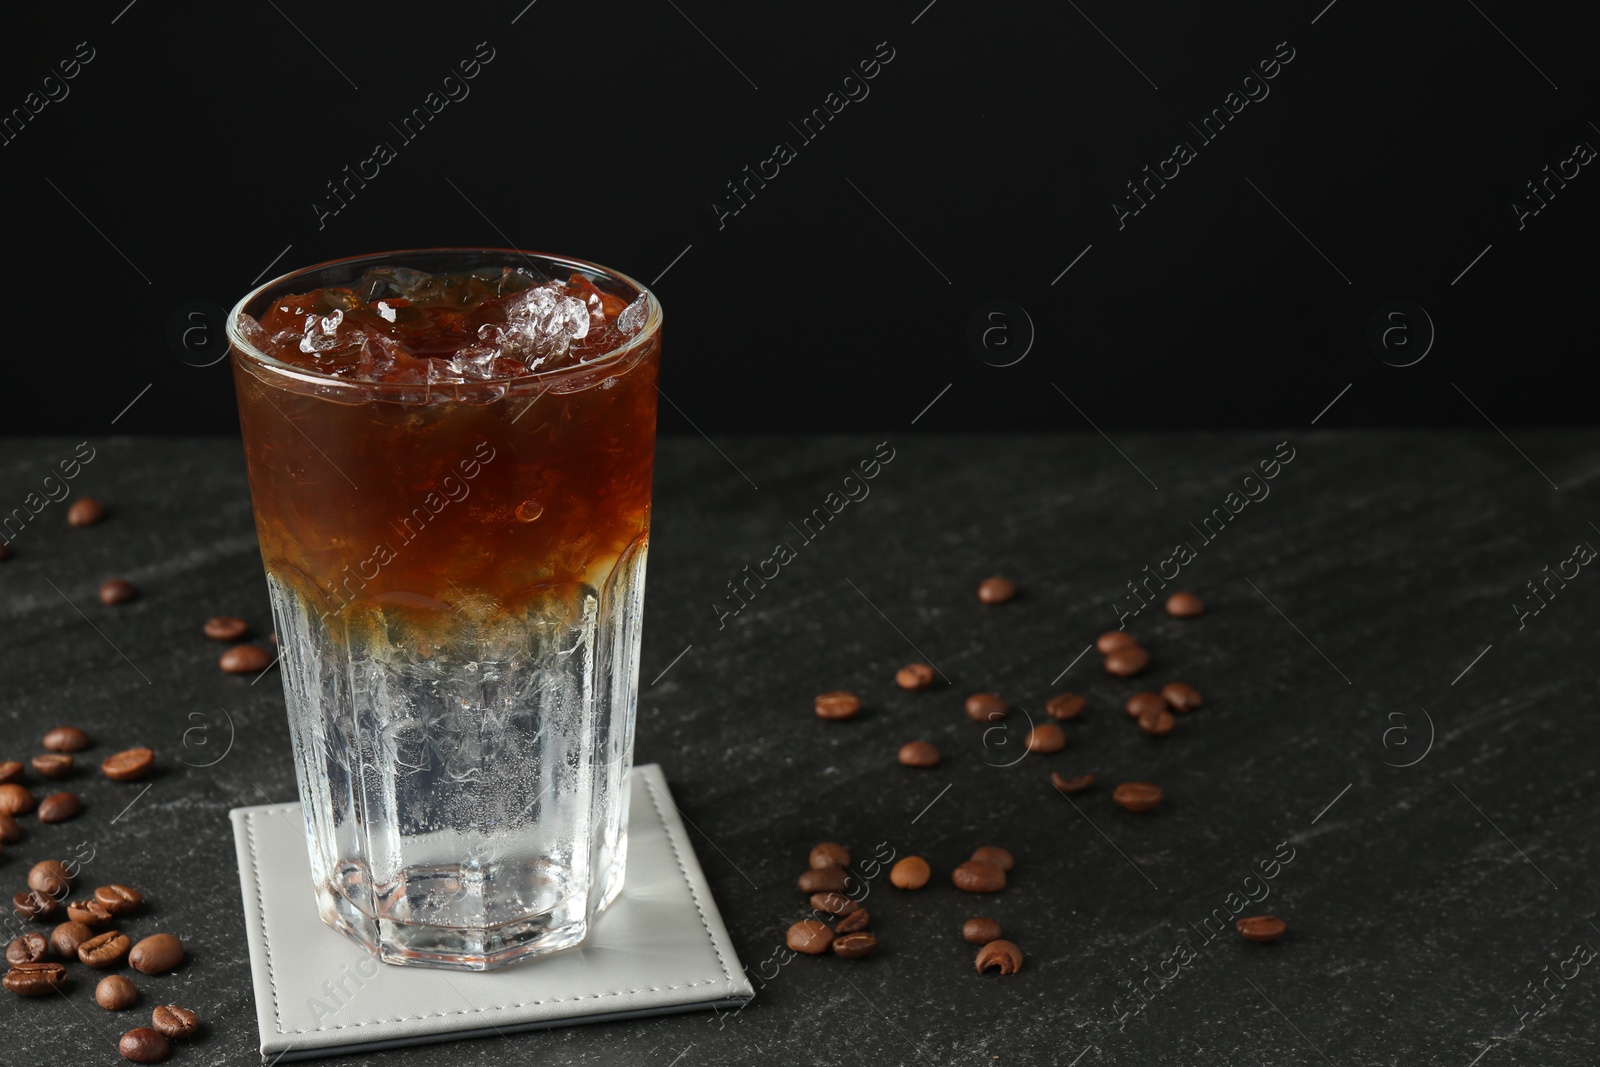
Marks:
<point>840,704</point>
<point>980,931</point>
<point>912,872</point>
<point>824,880</point>
<point>66,739</point>
<point>810,936</point>
<point>1157,723</point>
<point>117,591</point>
<point>59,807</point>
<point>31,905</point>
<point>118,899</point>
<point>1261,928</point>
<point>1072,785</point>
<point>10,832</point>
<point>106,950</point>
<point>986,707</point>
<point>833,903</point>
<point>156,954</point>
<point>1184,605</point>
<point>244,659</point>
<point>1065,706</point>
<point>919,754</point>
<point>175,1022</point>
<point>914,676</point>
<point>128,766</point>
<point>88,912</point>
<point>999,955</point>
<point>51,877</point>
<point>53,764</point>
<point>991,854</point>
<point>1137,796</point>
<point>1140,703</point>
<point>116,993</point>
<point>996,590</point>
<point>1127,662</point>
<point>66,938</point>
<point>829,854</point>
<point>1181,698</point>
<point>144,1045</point>
<point>1046,738</point>
<point>15,799</point>
<point>854,946</point>
<point>226,628</point>
<point>29,948</point>
<point>85,511</point>
<point>1112,640</point>
<point>34,979</point>
<point>11,771</point>
<point>856,920</point>
<point>975,876</point>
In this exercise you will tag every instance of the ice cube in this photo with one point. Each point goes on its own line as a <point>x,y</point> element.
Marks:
<point>542,323</point>
<point>631,321</point>
<point>321,332</point>
<point>413,285</point>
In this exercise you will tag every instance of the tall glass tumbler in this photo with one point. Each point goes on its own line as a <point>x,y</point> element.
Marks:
<point>457,580</point>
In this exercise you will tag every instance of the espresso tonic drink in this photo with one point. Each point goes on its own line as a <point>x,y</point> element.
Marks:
<point>450,458</point>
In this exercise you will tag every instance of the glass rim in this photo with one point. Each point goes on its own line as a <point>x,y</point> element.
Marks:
<point>241,345</point>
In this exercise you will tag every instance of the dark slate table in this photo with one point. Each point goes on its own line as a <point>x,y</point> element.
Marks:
<point>1379,712</point>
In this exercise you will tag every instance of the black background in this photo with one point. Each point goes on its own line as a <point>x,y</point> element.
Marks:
<point>197,139</point>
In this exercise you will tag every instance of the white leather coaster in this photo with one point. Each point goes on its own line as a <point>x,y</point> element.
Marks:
<point>659,948</point>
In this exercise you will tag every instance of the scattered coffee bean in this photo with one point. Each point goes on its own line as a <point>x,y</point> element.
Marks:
<point>854,946</point>
<point>999,955</point>
<point>11,771</point>
<point>34,979</point>
<point>856,920</point>
<point>1261,928</point>
<point>10,832</point>
<point>1046,738</point>
<point>144,1045</point>
<point>59,807</point>
<point>839,704</point>
<point>919,754</point>
<point>53,764</point>
<point>834,903</point>
<point>107,950</point>
<point>986,707</point>
<point>1157,724</point>
<point>29,948</point>
<point>975,876</point>
<point>15,799</point>
<point>996,590</point>
<point>810,936</point>
<point>1140,703</point>
<point>1137,796</point>
<point>85,511</point>
<point>156,954</point>
<point>66,739</point>
<point>1065,706</point>
<point>994,855</point>
<point>117,591</point>
<point>50,877</point>
<point>116,993</point>
<point>244,659</point>
<point>118,899</point>
<point>128,766</point>
<point>31,905</point>
<point>1112,640</point>
<point>66,938</point>
<point>226,628</point>
<point>1181,698</point>
<point>824,880</point>
<point>829,854</point>
<point>1184,605</point>
<point>980,931</point>
<point>1127,662</point>
<point>1072,785</point>
<point>175,1022</point>
<point>88,912</point>
<point>912,872</point>
<point>914,676</point>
